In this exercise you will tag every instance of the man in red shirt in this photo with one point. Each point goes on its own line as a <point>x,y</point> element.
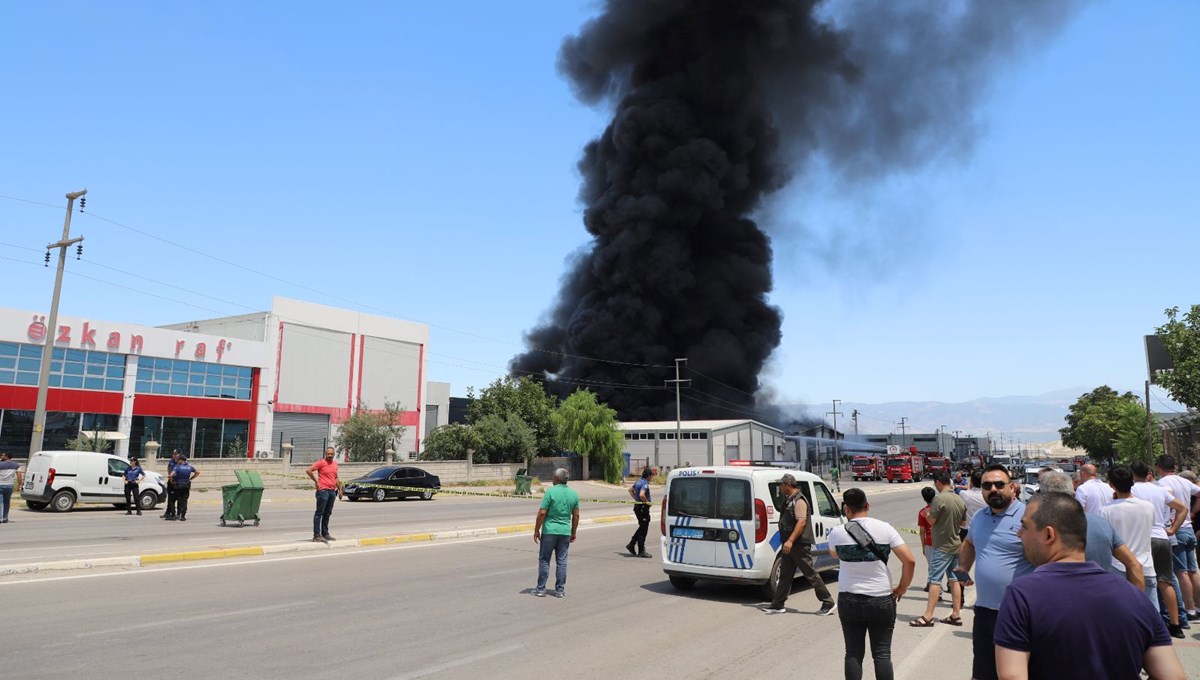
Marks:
<point>926,528</point>
<point>324,473</point>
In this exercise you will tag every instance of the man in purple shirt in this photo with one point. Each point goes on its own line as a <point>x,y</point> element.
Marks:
<point>1077,634</point>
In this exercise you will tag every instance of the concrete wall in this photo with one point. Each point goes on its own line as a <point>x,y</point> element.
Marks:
<point>215,473</point>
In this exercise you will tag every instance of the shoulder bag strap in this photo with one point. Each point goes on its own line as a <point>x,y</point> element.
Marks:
<point>864,540</point>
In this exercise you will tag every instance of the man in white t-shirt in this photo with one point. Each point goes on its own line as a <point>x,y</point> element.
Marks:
<point>1165,526</point>
<point>973,499</point>
<point>1133,520</point>
<point>1183,542</point>
<point>866,598</point>
<point>1092,493</point>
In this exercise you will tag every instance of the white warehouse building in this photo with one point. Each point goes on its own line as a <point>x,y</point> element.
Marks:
<point>702,442</point>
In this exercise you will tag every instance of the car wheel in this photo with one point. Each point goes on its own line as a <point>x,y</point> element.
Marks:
<point>427,495</point>
<point>147,500</point>
<point>63,501</point>
<point>35,505</point>
<point>768,589</point>
<point>380,495</point>
<point>682,582</point>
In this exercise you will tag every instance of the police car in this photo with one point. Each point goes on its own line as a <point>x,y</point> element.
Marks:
<point>721,523</point>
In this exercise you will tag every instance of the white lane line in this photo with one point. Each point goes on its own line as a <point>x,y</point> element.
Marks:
<point>136,571</point>
<point>498,573</point>
<point>461,661</point>
<point>916,665</point>
<point>170,623</point>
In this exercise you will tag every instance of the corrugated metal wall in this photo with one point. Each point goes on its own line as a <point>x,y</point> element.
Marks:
<point>315,367</point>
<point>390,372</point>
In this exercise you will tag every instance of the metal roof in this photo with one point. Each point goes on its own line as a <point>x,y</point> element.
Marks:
<point>669,425</point>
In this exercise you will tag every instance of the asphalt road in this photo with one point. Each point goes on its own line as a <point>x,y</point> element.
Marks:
<point>455,609</point>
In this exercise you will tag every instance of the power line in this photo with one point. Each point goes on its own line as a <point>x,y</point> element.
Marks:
<point>354,303</point>
<point>709,377</point>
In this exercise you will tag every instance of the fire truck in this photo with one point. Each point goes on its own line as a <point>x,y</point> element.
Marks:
<point>904,468</point>
<point>936,464</point>
<point>867,467</point>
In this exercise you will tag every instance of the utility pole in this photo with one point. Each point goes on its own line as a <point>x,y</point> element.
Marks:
<point>854,417</point>
<point>835,413</point>
<point>903,431</point>
<point>941,433</point>
<point>678,419</point>
<point>1149,436</point>
<point>39,415</point>
<point>956,432</point>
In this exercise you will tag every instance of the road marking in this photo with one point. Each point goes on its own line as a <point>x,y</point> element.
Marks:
<point>169,623</point>
<point>461,661</point>
<point>499,573</point>
<point>915,664</point>
<point>269,560</point>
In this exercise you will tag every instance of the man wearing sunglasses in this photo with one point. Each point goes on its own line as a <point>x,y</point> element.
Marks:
<point>993,547</point>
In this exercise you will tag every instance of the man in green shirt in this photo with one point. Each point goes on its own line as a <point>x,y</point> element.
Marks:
<point>835,476</point>
<point>554,529</point>
<point>945,513</point>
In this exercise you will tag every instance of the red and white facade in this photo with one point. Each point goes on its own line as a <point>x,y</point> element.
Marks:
<point>218,387</point>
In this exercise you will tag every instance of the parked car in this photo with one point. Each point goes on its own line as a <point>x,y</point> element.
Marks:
<point>60,479</point>
<point>386,482</point>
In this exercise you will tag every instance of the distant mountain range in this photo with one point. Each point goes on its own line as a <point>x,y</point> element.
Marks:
<point>1029,419</point>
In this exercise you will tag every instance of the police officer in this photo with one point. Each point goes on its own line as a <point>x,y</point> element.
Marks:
<point>170,511</point>
<point>133,476</point>
<point>183,474</point>
<point>641,511</point>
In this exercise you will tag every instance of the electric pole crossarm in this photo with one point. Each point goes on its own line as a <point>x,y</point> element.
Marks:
<point>39,414</point>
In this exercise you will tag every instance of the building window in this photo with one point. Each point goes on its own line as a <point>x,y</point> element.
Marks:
<point>193,379</point>
<point>16,429</point>
<point>77,369</point>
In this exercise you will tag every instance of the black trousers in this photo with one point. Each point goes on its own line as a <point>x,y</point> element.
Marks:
<point>131,497</point>
<point>170,512</point>
<point>642,512</point>
<point>182,491</point>
<point>864,615</point>
<point>800,557</point>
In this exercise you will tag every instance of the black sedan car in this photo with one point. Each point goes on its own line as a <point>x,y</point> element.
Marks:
<point>393,481</point>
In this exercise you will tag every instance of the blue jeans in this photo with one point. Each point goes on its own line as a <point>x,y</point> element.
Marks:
<point>6,495</point>
<point>557,544</point>
<point>325,499</point>
<point>1184,552</point>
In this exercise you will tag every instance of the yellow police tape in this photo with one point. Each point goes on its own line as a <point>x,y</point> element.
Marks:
<point>456,492</point>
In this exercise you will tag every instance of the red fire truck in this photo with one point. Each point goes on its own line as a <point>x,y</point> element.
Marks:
<point>936,464</point>
<point>904,468</point>
<point>866,467</point>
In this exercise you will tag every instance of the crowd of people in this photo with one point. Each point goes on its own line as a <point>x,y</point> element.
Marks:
<point>1052,576</point>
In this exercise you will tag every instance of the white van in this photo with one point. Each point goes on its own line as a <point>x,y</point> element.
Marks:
<point>722,524</point>
<point>60,479</point>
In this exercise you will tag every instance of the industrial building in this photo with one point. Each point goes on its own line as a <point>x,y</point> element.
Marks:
<point>702,442</point>
<point>228,387</point>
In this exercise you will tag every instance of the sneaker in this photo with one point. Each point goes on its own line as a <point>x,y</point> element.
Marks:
<point>1176,632</point>
<point>317,539</point>
<point>327,537</point>
<point>166,516</point>
<point>182,518</point>
<point>827,609</point>
<point>773,610</point>
<point>630,547</point>
<point>139,512</point>
<point>644,554</point>
<point>1192,616</point>
<point>559,594</point>
<point>539,592</point>
<point>128,512</point>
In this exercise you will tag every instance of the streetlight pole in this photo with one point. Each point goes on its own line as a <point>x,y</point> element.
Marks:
<point>51,326</point>
<point>903,433</point>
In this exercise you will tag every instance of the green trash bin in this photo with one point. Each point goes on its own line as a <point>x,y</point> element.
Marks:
<point>523,483</point>
<point>240,502</point>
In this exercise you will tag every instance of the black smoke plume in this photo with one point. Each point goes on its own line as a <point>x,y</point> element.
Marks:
<point>718,104</point>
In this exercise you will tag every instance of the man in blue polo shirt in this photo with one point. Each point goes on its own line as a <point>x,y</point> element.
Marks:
<point>994,548</point>
<point>1089,625</point>
<point>641,510</point>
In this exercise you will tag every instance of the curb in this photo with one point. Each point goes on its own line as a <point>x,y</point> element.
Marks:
<point>259,551</point>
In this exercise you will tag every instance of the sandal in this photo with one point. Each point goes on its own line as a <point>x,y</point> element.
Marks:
<point>921,622</point>
<point>953,620</point>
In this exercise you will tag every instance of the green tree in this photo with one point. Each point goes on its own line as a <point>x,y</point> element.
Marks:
<point>505,439</point>
<point>450,442</point>
<point>524,397</point>
<point>1181,338</point>
<point>86,443</point>
<point>1130,442</point>
<point>1093,422</point>
<point>366,434</point>
<point>589,428</point>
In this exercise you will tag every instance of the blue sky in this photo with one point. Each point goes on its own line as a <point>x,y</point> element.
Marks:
<point>418,159</point>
